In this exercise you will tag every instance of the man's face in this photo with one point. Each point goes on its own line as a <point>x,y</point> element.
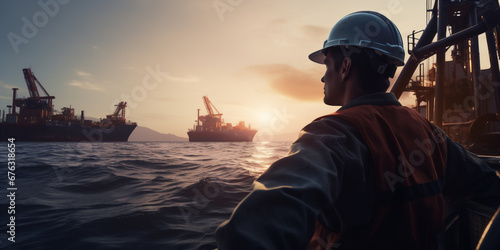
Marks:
<point>334,88</point>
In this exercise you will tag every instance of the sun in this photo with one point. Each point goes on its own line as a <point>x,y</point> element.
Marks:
<point>264,117</point>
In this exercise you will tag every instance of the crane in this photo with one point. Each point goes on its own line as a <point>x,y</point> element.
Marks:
<point>40,107</point>
<point>213,120</point>
<point>210,108</point>
<point>119,114</point>
<point>36,99</point>
<point>32,82</point>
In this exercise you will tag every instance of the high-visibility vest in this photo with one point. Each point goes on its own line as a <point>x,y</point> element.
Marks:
<point>409,157</point>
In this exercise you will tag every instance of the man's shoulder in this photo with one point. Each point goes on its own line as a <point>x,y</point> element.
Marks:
<point>329,124</point>
<point>366,110</point>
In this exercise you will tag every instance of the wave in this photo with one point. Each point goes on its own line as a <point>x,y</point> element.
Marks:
<point>154,195</point>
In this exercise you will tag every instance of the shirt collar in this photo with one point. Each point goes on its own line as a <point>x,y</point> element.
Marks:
<point>373,99</point>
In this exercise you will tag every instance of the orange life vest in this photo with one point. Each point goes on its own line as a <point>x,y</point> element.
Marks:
<point>409,157</point>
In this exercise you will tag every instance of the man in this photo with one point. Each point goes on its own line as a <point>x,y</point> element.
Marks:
<point>373,175</point>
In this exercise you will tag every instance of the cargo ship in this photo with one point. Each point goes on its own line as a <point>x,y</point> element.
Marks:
<point>36,120</point>
<point>213,128</point>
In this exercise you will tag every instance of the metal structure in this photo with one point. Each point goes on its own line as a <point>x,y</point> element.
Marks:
<point>459,97</point>
<point>210,108</point>
<point>213,120</point>
<point>457,93</point>
<point>32,82</point>
<point>36,107</point>
<point>119,115</point>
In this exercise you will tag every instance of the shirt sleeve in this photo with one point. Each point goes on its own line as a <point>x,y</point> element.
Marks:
<point>467,176</point>
<point>282,209</point>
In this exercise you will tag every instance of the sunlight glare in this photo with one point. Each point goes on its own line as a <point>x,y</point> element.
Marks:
<point>264,117</point>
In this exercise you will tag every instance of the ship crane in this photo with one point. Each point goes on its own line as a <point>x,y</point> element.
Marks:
<point>35,108</point>
<point>210,108</point>
<point>119,114</point>
<point>213,120</point>
<point>32,82</point>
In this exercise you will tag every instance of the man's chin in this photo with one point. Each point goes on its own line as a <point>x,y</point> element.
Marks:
<point>330,102</point>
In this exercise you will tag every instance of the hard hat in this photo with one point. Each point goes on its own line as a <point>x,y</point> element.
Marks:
<point>365,29</point>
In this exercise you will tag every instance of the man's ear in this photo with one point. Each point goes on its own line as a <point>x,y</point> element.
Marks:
<point>345,69</point>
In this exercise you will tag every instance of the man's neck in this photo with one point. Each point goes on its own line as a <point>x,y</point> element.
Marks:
<point>354,90</point>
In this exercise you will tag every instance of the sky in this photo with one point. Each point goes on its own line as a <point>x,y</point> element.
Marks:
<point>162,56</point>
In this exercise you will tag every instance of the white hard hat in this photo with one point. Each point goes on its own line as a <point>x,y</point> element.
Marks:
<point>365,29</point>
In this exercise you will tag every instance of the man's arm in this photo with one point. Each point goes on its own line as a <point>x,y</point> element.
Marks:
<point>284,205</point>
<point>467,176</point>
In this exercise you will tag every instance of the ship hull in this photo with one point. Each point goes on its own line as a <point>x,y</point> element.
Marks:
<point>65,133</point>
<point>222,136</point>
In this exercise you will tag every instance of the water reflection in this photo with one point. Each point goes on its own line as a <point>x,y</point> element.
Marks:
<point>263,155</point>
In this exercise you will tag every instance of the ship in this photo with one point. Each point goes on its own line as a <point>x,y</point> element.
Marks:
<point>37,121</point>
<point>214,129</point>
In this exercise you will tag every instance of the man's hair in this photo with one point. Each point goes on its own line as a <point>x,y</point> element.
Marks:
<point>361,62</point>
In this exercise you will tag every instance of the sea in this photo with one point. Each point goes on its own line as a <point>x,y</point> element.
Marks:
<point>129,195</point>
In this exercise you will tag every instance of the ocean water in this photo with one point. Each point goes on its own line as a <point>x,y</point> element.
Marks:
<point>135,195</point>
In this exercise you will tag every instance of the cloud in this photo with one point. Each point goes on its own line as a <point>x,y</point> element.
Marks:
<point>85,82</point>
<point>288,34</point>
<point>304,85</point>
<point>85,85</point>
<point>83,74</point>
<point>133,69</point>
<point>314,31</point>
<point>285,26</point>
<point>182,78</point>
<point>7,86</point>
